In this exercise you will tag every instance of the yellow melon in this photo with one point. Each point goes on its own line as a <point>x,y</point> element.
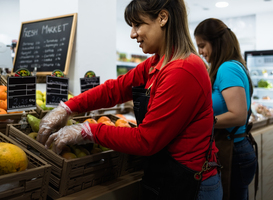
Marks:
<point>12,158</point>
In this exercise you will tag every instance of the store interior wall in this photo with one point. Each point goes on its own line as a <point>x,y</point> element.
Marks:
<point>9,20</point>
<point>99,35</point>
<point>95,40</point>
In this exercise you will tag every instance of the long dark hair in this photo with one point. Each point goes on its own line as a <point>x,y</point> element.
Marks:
<point>179,44</point>
<point>224,43</point>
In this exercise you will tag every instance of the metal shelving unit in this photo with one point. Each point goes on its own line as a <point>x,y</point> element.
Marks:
<point>260,65</point>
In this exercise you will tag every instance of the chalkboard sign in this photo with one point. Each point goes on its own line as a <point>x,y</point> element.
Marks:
<point>88,83</point>
<point>56,90</point>
<point>46,44</point>
<point>21,93</point>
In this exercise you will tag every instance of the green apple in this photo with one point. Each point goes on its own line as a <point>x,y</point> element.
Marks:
<point>69,122</point>
<point>68,155</point>
<point>95,150</point>
<point>33,135</point>
<point>43,106</point>
<point>103,148</point>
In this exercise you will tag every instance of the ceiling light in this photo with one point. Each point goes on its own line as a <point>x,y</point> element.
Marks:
<point>221,4</point>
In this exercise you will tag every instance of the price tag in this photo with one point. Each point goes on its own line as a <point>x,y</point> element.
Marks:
<point>21,93</point>
<point>88,83</point>
<point>56,90</point>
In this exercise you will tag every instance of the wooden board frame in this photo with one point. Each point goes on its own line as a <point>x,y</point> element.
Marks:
<point>70,44</point>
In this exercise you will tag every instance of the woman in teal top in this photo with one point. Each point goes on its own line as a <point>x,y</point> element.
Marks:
<point>224,81</point>
<point>231,96</point>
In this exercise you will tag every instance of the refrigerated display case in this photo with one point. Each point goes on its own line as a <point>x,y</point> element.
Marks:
<point>260,65</point>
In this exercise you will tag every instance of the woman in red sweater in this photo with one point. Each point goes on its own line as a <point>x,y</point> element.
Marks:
<point>172,101</point>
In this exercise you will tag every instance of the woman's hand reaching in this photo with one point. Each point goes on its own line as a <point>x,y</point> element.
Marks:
<point>53,121</point>
<point>74,134</point>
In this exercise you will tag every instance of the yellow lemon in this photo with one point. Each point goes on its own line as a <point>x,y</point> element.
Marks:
<point>39,102</point>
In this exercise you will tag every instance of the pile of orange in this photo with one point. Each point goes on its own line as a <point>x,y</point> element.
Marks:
<point>3,99</point>
<point>107,121</point>
<point>123,117</point>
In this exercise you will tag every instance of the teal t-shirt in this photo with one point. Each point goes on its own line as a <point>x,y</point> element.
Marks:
<point>230,74</point>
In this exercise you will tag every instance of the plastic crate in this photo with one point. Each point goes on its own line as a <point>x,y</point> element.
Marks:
<point>29,184</point>
<point>70,176</point>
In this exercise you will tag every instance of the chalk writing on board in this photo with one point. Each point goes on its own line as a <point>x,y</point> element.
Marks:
<point>21,93</point>
<point>56,90</point>
<point>44,44</point>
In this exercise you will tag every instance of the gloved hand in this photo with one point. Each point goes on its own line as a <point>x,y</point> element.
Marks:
<point>74,134</point>
<point>53,121</point>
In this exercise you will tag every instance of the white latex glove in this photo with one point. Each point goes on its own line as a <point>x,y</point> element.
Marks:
<point>53,121</point>
<point>74,134</point>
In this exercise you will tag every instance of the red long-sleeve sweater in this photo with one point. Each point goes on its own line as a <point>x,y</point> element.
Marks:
<point>179,113</point>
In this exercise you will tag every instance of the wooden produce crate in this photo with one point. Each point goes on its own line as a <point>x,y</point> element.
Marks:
<point>70,176</point>
<point>124,108</point>
<point>29,184</point>
<point>13,118</point>
<point>130,163</point>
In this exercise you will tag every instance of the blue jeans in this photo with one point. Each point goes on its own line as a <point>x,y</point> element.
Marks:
<point>244,163</point>
<point>211,189</point>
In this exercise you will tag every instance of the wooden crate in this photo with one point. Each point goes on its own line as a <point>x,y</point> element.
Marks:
<point>124,108</point>
<point>130,163</point>
<point>12,119</point>
<point>29,184</point>
<point>70,176</point>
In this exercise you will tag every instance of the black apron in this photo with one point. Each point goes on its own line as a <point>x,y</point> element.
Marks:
<point>164,177</point>
<point>224,141</point>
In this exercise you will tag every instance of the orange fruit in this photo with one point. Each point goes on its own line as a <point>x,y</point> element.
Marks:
<point>3,92</point>
<point>3,88</point>
<point>2,111</point>
<point>108,123</point>
<point>3,104</point>
<point>121,116</point>
<point>122,123</point>
<point>103,118</point>
<point>91,121</point>
<point>12,158</point>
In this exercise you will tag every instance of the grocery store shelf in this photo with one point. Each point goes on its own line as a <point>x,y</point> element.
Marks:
<point>129,64</point>
<point>260,67</point>
<point>262,101</point>
<point>262,77</point>
<point>263,89</point>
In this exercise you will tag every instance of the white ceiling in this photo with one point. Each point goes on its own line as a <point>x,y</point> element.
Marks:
<point>199,10</point>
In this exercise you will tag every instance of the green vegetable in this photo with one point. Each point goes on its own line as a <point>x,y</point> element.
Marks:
<point>264,84</point>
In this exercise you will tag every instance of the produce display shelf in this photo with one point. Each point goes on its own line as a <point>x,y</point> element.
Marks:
<point>70,176</point>
<point>31,183</point>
